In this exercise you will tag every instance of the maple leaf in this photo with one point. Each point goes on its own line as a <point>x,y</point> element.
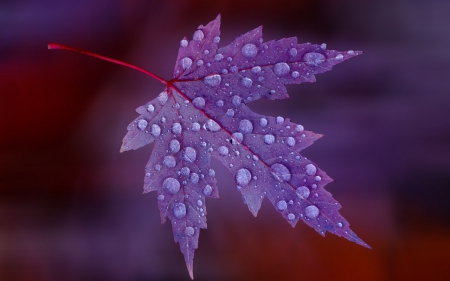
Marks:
<point>203,112</point>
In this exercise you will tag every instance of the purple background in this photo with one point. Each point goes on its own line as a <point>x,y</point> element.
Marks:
<point>71,206</point>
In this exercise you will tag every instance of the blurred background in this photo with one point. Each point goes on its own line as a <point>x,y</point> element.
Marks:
<point>71,205</point>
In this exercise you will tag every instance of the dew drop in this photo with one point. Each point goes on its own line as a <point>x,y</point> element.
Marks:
<point>169,161</point>
<point>310,169</point>
<point>280,120</point>
<point>212,125</point>
<point>299,128</point>
<point>174,146</point>
<point>318,178</point>
<point>245,126</point>
<point>236,101</point>
<point>199,203</point>
<point>323,46</point>
<point>160,197</point>
<point>219,103</point>
<point>281,205</point>
<point>171,185</point>
<point>295,74</point>
<point>256,69</point>
<point>313,59</point>
<point>238,136</point>
<point>142,124</point>
<point>247,82</point>
<point>263,122</point>
<point>339,57</point>
<point>280,172</point>
<point>230,113</point>
<point>183,43</point>
<point>293,52</point>
<point>150,108</point>
<point>281,69</point>
<point>312,212</point>
<point>176,128</point>
<point>195,127</point>
<point>186,63</point>
<point>212,80</point>
<point>233,68</point>
<point>163,97</point>
<point>179,210</point>
<point>194,178</point>
<point>216,39</point>
<point>157,167</point>
<point>303,192</point>
<point>224,71</point>
<point>211,172</point>
<point>223,150</point>
<point>291,217</point>
<point>198,35</point>
<point>189,154</point>
<point>156,130</point>
<point>249,50</point>
<point>243,177</point>
<point>350,52</point>
<point>218,57</point>
<point>339,224</point>
<point>185,171</point>
<point>189,231</point>
<point>207,190</point>
<point>269,139</point>
<point>199,102</point>
<point>290,141</point>
<point>200,62</point>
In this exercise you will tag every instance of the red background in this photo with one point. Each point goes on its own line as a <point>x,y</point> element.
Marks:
<point>71,206</point>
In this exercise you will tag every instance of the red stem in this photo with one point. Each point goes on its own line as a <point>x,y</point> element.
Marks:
<point>56,46</point>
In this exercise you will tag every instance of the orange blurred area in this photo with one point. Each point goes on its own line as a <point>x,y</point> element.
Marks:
<point>71,205</point>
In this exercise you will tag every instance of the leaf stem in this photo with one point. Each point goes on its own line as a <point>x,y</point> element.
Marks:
<point>56,46</point>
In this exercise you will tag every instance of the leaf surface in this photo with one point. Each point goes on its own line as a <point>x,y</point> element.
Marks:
<point>203,113</point>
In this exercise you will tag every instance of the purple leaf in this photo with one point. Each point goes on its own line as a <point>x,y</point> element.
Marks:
<point>203,112</point>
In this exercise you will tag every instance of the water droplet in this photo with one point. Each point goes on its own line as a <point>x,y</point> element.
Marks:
<point>174,146</point>
<point>223,150</point>
<point>219,103</point>
<point>269,139</point>
<point>293,52</point>
<point>236,100</point>
<point>157,167</point>
<point>199,102</point>
<point>281,205</point>
<point>206,52</point>
<point>323,46</point>
<point>310,169</point>
<point>198,35</point>
<point>200,62</point>
<point>314,186</point>
<point>176,128</point>
<point>179,210</point>
<point>281,69</point>
<point>238,136</point>
<point>189,231</point>
<point>313,59</point>
<point>280,172</point>
<point>249,50</point>
<point>163,97</point>
<point>290,141</point>
<point>218,57</point>
<point>263,122</point>
<point>195,127</point>
<point>224,71</point>
<point>142,124</point>
<point>280,120</point>
<point>199,203</point>
<point>295,74</point>
<point>189,154</point>
<point>339,224</point>
<point>160,197</point>
<point>243,177</point>
<point>350,52</point>
<point>230,113</point>
<point>339,57</point>
<point>185,171</point>
<point>233,68</point>
<point>318,178</point>
<point>211,173</point>
<point>163,119</point>
<point>150,108</point>
<point>194,178</point>
<point>216,39</point>
<point>256,69</point>
<point>183,43</point>
<point>171,185</point>
<point>212,125</point>
<point>186,63</point>
<point>299,128</point>
<point>245,126</point>
<point>212,80</point>
<point>312,212</point>
<point>247,82</point>
<point>207,190</point>
<point>291,217</point>
<point>169,161</point>
<point>303,192</point>
<point>156,130</point>
<point>255,158</point>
